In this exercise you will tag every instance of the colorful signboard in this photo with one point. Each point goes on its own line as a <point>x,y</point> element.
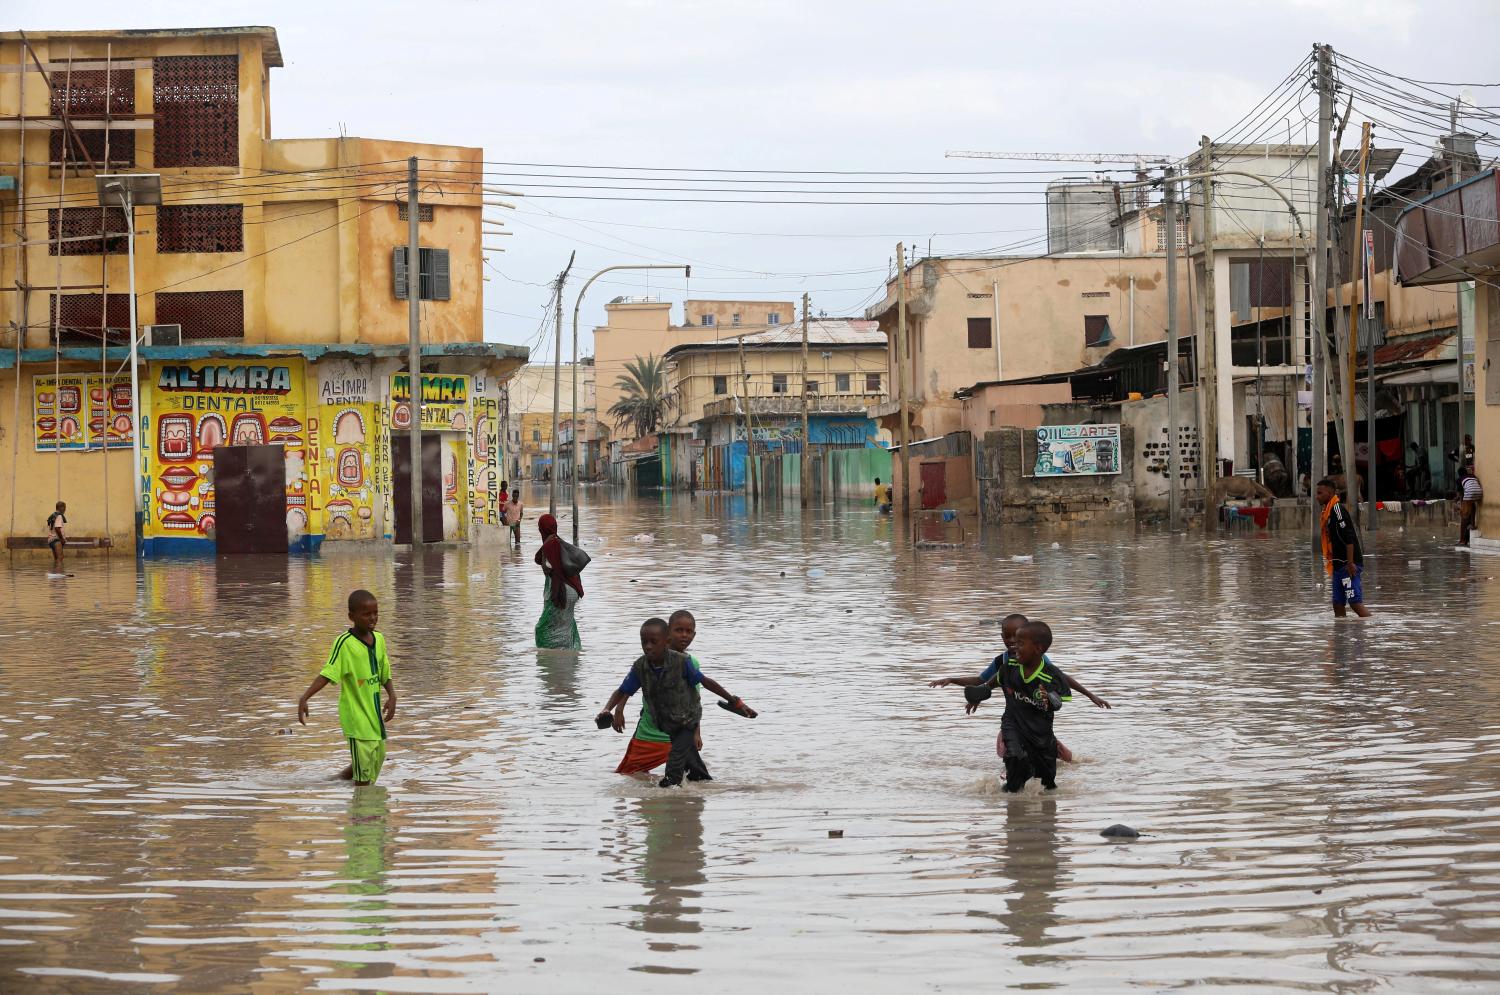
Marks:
<point>80,411</point>
<point>445,402</point>
<point>200,405</point>
<point>1077,450</point>
<point>344,461</point>
<point>484,463</point>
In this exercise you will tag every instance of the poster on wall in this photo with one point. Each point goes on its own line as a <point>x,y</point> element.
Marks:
<point>1077,450</point>
<point>201,405</point>
<point>80,411</point>
<point>445,402</point>
<point>346,450</point>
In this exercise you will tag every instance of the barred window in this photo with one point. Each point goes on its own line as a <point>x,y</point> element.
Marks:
<point>204,314</point>
<point>93,94</point>
<point>197,110</point>
<point>200,228</point>
<point>76,318</point>
<point>424,212</point>
<point>79,229</point>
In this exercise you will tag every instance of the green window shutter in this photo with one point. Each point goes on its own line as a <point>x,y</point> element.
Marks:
<point>398,272</point>
<point>441,285</point>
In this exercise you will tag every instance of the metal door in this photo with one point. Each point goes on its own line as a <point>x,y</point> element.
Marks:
<point>250,499</point>
<point>432,486</point>
<point>934,485</point>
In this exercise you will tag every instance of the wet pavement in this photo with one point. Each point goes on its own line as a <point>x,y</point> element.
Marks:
<point>1321,801</point>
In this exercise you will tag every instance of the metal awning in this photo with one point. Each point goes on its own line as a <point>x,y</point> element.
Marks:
<point>1444,373</point>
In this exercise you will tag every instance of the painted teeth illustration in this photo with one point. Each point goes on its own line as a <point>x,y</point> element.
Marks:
<point>248,429</point>
<point>178,478</point>
<point>174,437</point>
<point>349,428</point>
<point>179,521</point>
<point>211,432</point>
<point>351,470</point>
<point>206,524</point>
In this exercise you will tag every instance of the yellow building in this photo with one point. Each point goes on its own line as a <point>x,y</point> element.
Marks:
<point>721,388</point>
<point>639,327</point>
<point>271,279</point>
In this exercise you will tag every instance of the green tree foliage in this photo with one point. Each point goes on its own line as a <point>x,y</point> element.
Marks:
<point>644,402</point>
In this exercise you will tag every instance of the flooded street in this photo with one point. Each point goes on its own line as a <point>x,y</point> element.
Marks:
<point>1321,801</point>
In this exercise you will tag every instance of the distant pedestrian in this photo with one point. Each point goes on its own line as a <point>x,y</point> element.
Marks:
<point>1470,493</point>
<point>56,540</point>
<point>1343,556</point>
<point>1463,456</point>
<point>360,666</point>
<point>882,497</point>
<point>514,512</point>
<point>556,629</point>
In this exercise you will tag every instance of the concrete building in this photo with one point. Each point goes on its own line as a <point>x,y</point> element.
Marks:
<point>529,406</point>
<point>716,398</point>
<point>274,278</point>
<point>1453,237</point>
<point>638,327</point>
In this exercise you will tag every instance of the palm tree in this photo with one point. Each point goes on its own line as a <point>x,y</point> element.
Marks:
<point>644,400</point>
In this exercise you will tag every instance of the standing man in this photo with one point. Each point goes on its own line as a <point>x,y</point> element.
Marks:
<point>56,540</point>
<point>514,511</point>
<point>882,497</point>
<point>1470,493</point>
<point>1343,557</point>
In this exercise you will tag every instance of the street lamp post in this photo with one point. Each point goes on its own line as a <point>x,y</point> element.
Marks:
<point>578,303</point>
<point>130,189</point>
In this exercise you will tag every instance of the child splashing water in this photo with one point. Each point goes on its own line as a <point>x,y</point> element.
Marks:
<point>990,678</point>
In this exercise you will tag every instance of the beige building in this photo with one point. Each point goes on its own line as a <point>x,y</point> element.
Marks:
<point>976,320</point>
<point>638,327</point>
<point>274,273</point>
<point>529,415</point>
<point>724,389</point>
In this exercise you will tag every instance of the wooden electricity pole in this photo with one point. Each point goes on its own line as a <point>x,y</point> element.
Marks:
<point>1356,261</point>
<point>752,480</point>
<point>414,346</point>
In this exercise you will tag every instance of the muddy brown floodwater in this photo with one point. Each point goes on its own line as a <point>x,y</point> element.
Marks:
<point>1321,801</point>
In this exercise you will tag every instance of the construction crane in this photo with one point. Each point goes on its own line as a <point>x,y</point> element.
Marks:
<point>1139,160</point>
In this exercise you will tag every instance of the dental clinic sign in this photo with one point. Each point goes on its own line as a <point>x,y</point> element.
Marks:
<point>1077,450</point>
<point>445,402</point>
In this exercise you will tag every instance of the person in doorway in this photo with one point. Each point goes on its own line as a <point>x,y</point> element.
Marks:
<point>514,512</point>
<point>556,629</point>
<point>360,666</point>
<point>1470,493</point>
<point>882,497</point>
<point>56,540</point>
<point>1418,475</point>
<point>1343,556</point>
<point>668,681</point>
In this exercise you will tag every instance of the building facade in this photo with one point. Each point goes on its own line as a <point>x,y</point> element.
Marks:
<point>271,289</point>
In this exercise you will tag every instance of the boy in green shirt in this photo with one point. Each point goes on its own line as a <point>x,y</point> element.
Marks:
<point>358,664</point>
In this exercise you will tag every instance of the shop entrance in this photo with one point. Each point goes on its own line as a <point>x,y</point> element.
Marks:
<point>250,499</point>
<point>432,486</point>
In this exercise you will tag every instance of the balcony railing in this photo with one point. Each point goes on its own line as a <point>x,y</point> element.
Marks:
<point>790,405</point>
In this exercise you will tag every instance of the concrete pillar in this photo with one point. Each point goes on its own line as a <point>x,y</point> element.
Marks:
<point>1224,382</point>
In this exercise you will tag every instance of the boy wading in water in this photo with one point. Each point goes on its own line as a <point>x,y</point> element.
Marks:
<point>649,747</point>
<point>1343,556</point>
<point>360,667</point>
<point>1035,690</point>
<point>668,680</point>
<point>1010,628</point>
<point>55,538</point>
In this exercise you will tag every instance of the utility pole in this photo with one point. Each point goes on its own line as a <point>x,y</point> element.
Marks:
<point>1356,266</point>
<point>1174,483</point>
<point>806,462</point>
<point>414,346</point>
<point>557,382</point>
<point>752,481</point>
<point>1208,346</point>
<point>902,393</point>
<point>1318,411</point>
<point>1458,288</point>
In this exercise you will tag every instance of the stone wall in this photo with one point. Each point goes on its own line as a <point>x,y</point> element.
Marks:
<point>1010,495</point>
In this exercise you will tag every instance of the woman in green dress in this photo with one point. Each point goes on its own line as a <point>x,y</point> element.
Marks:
<point>556,629</point>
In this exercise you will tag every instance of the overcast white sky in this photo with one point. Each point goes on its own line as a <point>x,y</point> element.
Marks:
<point>782,85</point>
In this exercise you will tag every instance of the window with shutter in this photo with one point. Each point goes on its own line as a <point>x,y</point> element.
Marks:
<point>778,383</point>
<point>841,383</point>
<point>721,385</point>
<point>1096,330</point>
<point>979,333</point>
<point>398,272</point>
<point>872,383</point>
<point>434,282</point>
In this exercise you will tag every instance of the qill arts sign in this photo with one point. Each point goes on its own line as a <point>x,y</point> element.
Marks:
<point>1077,450</point>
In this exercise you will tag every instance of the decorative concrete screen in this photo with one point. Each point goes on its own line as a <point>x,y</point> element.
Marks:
<point>1077,450</point>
